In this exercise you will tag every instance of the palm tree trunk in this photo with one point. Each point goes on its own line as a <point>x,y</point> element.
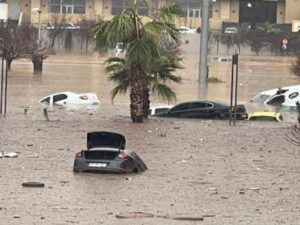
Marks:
<point>136,95</point>
<point>146,102</point>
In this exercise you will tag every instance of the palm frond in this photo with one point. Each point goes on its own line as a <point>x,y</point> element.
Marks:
<point>142,52</point>
<point>120,29</point>
<point>164,92</point>
<point>119,89</point>
<point>97,31</point>
<point>154,29</point>
<point>115,64</point>
<point>169,13</point>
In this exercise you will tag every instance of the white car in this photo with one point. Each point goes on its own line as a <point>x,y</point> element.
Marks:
<point>285,96</point>
<point>221,59</point>
<point>70,98</point>
<point>67,26</point>
<point>159,109</point>
<point>230,30</point>
<point>186,30</point>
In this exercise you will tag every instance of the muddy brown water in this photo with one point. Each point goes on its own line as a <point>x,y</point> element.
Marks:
<point>246,174</point>
<point>85,73</point>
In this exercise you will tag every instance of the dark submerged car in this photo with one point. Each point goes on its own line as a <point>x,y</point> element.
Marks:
<point>204,109</point>
<point>106,153</point>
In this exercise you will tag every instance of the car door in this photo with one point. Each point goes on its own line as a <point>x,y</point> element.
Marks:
<point>178,110</point>
<point>202,109</point>
<point>193,110</point>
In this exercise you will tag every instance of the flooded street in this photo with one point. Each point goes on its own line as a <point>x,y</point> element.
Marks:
<point>85,73</point>
<point>243,174</point>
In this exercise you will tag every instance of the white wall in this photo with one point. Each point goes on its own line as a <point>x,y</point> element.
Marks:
<point>3,11</point>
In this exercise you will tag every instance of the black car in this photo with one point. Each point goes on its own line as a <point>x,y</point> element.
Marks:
<point>106,153</point>
<point>204,109</point>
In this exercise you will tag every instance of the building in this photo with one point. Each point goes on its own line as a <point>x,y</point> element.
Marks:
<point>230,11</point>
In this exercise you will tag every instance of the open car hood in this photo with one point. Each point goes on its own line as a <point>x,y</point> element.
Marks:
<point>105,139</point>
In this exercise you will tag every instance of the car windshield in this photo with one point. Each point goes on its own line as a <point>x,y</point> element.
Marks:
<point>260,98</point>
<point>263,118</point>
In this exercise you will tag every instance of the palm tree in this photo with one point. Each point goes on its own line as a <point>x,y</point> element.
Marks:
<point>142,41</point>
<point>156,80</point>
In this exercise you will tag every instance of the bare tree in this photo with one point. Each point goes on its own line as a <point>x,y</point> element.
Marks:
<point>55,27</point>
<point>36,50</point>
<point>12,44</point>
<point>85,32</point>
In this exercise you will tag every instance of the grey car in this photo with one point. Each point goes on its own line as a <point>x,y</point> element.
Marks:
<point>106,153</point>
<point>204,109</point>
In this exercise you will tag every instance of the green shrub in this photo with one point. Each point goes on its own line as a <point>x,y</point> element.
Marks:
<point>214,80</point>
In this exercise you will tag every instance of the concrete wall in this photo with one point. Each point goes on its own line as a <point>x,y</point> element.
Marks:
<point>3,11</point>
<point>292,10</point>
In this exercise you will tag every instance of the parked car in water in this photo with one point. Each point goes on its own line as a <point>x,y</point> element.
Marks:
<point>285,96</point>
<point>158,109</point>
<point>230,30</point>
<point>106,153</point>
<point>265,116</point>
<point>67,26</point>
<point>70,98</point>
<point>204,109</point>
<point>221,59</point>
<point>186,30</point>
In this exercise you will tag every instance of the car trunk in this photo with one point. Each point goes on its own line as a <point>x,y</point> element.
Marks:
<point>102,155</point>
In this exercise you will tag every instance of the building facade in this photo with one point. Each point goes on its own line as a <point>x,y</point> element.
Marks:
<point>232,11</point>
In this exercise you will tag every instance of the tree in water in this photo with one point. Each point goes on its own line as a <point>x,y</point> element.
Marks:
<point>36,49</point>
<point>13,45</point>
<point>141,40</point>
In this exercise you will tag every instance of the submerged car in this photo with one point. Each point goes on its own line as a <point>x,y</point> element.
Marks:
<point>265,116</point>
<point>204,109</point>
<point>285,96</point>
<point>186,30</point>
<point>230,30</point>
<point>106,153</point>
<point>70,98</point>
<point>158,109</point>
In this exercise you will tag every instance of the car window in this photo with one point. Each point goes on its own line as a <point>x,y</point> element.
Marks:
<point>160,110</point>
<point>59,97</point>
<point>277,100</point>
<point>200,105</point>
<point>261,98</point>
<point>263,118</point>
<point>179,107</point>
<point>46,100</point>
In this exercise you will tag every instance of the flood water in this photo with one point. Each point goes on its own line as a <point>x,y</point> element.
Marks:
<point>85,73</point>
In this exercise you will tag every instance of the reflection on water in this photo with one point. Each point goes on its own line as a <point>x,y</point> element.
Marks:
<point>85,73</point>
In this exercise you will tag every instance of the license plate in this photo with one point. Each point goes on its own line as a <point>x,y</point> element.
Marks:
<point>97,164</point>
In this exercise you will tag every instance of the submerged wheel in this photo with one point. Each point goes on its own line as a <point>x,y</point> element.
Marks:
<point>221,116</point>
<point>75,170</point>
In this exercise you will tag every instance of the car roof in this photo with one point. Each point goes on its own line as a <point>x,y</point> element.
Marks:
<point>276,115</point>
<point>264,113</point>
<point>292,88</point>
<point>204,101</point>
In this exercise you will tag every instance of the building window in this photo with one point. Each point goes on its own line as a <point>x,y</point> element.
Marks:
<point>117,6</point>
<point>67,6</point>
<point>190,8</point>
